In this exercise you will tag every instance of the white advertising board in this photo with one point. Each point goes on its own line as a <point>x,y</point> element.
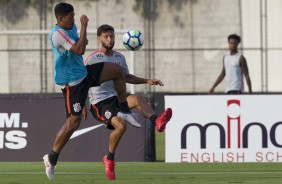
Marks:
<point>224,128</point>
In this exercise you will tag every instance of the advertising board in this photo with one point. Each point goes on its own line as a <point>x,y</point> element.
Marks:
<point>224,128</point>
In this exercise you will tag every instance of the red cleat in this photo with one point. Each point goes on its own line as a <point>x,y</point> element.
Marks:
<point>163,119</point>
<point>109,168</point>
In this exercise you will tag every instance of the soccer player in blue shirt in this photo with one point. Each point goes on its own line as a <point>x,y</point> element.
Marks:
<point>76,79</point>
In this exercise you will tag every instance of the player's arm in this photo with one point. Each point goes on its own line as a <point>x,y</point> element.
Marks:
<point>245,70</point>
<point>132,79</point>
<point>80,46</point>
<point>219,78</point>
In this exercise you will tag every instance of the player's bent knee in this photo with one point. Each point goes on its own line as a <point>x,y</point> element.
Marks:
<point>120,126</point>
<point>123,126</point>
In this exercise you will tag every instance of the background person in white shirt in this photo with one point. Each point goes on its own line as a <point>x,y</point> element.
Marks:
<point>234,67</point>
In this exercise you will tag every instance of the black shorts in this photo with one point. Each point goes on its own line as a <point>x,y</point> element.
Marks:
<point>75,96</point>
<point>105,110</point>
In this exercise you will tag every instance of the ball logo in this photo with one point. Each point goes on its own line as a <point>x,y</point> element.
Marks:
<point>11,137</point>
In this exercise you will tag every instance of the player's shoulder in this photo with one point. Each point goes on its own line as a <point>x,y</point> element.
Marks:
<point>59,33</point>
<point>58,30</point>
<point>242,57</point>
<point>118,55</point>
<point>92,56</point>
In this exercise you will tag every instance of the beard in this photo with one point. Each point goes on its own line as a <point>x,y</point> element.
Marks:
<point>108,47</point>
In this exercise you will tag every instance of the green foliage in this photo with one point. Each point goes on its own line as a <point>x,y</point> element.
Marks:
<point>148,9</point>
<point>15,10</point>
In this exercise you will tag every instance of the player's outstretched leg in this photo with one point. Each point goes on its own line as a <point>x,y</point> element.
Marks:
<point>163,119</point>
<point>49,168</point>
<point>109,168</point>
<point>114,72</point>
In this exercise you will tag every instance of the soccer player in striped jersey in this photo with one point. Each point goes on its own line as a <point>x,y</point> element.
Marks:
<point>103,98</point>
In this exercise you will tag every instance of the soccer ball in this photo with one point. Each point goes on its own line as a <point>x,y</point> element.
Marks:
<point>133,40</point>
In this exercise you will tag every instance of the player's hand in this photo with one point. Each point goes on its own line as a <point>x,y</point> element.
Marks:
<point>155,82</point>
<point>84,20</point>
<point>84,112</point>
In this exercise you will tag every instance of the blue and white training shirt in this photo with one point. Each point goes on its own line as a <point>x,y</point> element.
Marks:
<point>69,67</point>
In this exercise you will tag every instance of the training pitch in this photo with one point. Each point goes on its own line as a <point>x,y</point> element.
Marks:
<point>143,172</point>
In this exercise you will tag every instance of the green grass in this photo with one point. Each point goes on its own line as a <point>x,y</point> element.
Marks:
<point>160,146</point>
<point>144,172</point>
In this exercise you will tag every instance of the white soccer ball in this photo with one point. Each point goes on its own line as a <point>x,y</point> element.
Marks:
<point>133,40</point>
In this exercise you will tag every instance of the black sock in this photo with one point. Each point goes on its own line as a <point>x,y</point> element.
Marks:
<point>53,157</point>
<point>124,107</point>
<point>111,156</point>
<point>153,118</point>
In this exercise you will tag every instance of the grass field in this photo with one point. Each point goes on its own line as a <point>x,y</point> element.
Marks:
<point>160,146</point>
<point>140,173</point>
<point>144,172</point>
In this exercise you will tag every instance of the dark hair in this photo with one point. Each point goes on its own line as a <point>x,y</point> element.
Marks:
<point>235,37</point>
<point>62,9</point>
<point>104,28</point>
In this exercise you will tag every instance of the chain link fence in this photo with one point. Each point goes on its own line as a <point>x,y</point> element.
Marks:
<point>184,42</point>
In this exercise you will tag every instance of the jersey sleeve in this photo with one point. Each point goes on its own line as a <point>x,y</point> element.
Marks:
<point>61,40</point>
<point>90,59</point>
